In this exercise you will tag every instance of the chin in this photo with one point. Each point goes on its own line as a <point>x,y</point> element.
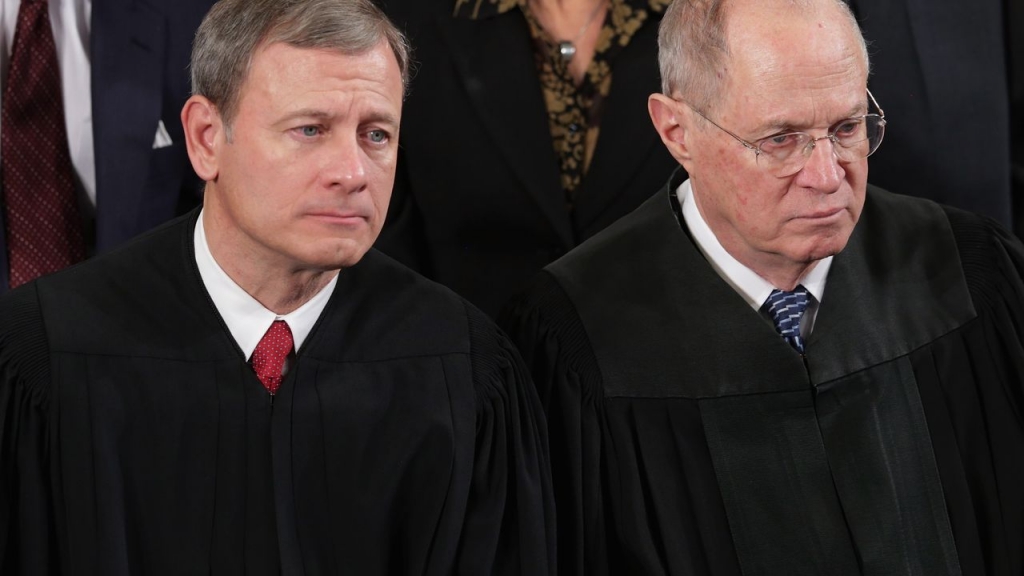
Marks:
<point>825,247</point>
<point>336,254</point>
<point>347,259</point>
<point>822,242</point>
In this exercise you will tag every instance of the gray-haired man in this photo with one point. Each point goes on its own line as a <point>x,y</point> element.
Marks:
<point>252,389</point>
<point>772,368</point>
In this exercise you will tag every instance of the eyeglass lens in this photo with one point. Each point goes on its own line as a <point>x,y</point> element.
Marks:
<point>852,139</point>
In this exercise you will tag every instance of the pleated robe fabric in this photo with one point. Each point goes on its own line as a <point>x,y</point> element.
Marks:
<point>687,438</point>
<point>134,438</point>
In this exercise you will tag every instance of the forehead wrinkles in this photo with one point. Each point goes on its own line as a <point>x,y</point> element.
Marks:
<point>352,91</point>
<point>778,56</point>
<point>796,81</point>
<point>767,34</point>
<point>290,77</point>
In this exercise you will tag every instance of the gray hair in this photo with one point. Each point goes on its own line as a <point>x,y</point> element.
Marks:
<point>692,47</point>
<point>234,30</point>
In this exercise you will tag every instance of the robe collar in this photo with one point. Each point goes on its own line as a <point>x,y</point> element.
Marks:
<point>245,317</point>
<point>662,323</point>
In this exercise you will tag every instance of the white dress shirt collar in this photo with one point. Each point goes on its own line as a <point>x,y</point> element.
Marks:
<point>246,318</point>
<point>747,283</point>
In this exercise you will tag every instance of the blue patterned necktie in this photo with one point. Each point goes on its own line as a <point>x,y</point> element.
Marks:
<point>786,310</point>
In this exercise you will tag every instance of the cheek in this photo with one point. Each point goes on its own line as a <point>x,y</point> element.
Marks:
<point>756,205</point>
<point>858,178</point>
<point>748,199</point>
<point>260,176</point>
<point>382,180</point>
<point>741,186</point>
<point>741,209</point>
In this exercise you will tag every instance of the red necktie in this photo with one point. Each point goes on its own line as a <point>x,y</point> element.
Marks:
<point>44,228</point>
<point>268,358</point>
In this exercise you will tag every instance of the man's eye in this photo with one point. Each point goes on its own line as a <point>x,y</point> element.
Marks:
<point>310,131</point>
<point>849,128</point>
<point>377,136</point>
<point>779,142</point>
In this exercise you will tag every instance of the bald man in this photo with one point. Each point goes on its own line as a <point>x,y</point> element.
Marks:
<point>772,367</point>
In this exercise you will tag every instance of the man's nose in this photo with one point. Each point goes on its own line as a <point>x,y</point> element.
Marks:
<point>822,170</point>
<point>344,164</point>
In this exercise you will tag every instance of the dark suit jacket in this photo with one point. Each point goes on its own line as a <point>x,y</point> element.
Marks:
<point>139,51</point>
<point>939,72</point>
<point>478,204</point>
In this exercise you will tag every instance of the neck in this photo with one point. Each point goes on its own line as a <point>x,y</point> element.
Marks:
<point>786,278</point>
<point>779,271</point>
<point>286,294</point>
<point>278,286</point>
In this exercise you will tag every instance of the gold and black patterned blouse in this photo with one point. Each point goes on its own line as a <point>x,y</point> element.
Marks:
<point>574,112</point>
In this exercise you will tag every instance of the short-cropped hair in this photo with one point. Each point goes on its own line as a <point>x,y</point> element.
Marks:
<point>693,46</point>
<point>234,30</point>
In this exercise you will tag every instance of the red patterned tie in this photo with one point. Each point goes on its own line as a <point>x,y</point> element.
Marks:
<point>44,228</point>
<point>268,358</point>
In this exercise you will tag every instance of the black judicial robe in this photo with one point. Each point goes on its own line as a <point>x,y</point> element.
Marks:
<point>688,438</point>
<point>134,438</point>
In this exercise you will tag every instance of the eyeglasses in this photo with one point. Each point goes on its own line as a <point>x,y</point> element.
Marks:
<point>786,154</point>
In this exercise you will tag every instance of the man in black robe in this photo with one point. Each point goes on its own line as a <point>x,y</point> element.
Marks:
<point>383,425</point>
<point>773,368</point>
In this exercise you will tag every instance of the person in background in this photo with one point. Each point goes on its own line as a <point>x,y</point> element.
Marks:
<point>91,149</point>
<point>772,367</point>
<point>526,134</point>
<point>251,388</point>
<point>940,68</point>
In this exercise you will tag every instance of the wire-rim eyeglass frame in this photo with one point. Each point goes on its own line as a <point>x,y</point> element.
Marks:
<point>869,128</point>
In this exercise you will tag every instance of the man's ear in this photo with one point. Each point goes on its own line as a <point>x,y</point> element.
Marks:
<point>671,121</point>
<point>204,135</point>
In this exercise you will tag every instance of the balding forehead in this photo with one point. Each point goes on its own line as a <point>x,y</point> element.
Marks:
<point>780,5</point>
<point>782,30</point>
<point>772,13</point>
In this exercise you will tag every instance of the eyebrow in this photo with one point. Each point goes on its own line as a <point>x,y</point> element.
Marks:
<point>777,125</point>
<point>305,113</point>
<point>320,115</point>
<point>381,118</point>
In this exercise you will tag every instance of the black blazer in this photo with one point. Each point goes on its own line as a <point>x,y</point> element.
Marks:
<point>478,203</point>
<point>939,72</point>
<point>139,52</point>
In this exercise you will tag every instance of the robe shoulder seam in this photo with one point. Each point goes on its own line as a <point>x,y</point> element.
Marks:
<point>24,344</point>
